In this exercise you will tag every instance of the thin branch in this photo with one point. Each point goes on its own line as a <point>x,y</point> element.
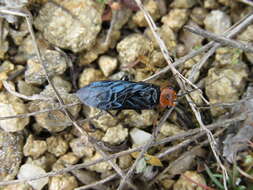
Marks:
<point>211,139</point>
<point>220,39</point>
<point>244,173</point>
<point>110,30</point>
<point>97,183</point>
<point>38,112</point>
<point>9,88</point>
<point>226,104</point>
<point>180,61</point>
<point>196,183</point>
<point>248,2</point>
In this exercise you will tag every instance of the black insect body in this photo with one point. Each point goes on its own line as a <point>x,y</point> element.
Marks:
<point>119,95</point>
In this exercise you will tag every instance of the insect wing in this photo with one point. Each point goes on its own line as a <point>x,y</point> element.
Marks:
<point>140,96</point>
<point>95,94</point>
<point>115,95</point>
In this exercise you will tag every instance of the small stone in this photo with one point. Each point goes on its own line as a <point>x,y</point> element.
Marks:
<point>46,161</point>
<point>190,39</point>
<point>115,135</point>
<point>5,69</point>
<point>100,167</point>
<point>225,56</point>
<point>26,49</point>
<point>132,47</point>
<point>27,89</point>
<point>34,148</point>
<point>102,45</point>
<point>152,7</point>
<point>246,34</point>
<point>183,4</point>
<point>198,15</point>
<point>196,97</point>
<point>139,137</point>
<point>167,35</point>
<point>90,75</point>
<point>19,35</point>
<point>55,121</point>
<point>184,184</point>
<point>57,145</point>
<point>104,122</point>
<point>181,50</point>
<point>98,135</point>
<point>246,37</point>
<point>156,60</point>
<point>167,182</point>
<point>11,155</point>
<point>29,171</point>
<point>4,49</point>
<point>11,105</point>
<point>217,21</point>
<point>169,129</point>
<point>19,186</point>
<point>4,41</point>
<point>211,4</point>
<point>176,18</point>
<point>107,64</point>
<point>80,149</point>
<point>134,119</point>
<point>191,62</point>
<point>68,136</point>
<point>71,24</point>
<point>61,182</point>
<point>139,74</point>
<point>125,161</point>
<point>227,2</point>
<point>90,56</point>
<point>55,64</point>
<point>67,159</point>
<point>60,84</point>
<point>121,74</point>
<point>63,86</point>
<point>225,85</point>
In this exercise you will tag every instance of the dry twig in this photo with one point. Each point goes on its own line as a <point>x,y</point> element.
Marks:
<point>220,39</point>
<point>10,89</point>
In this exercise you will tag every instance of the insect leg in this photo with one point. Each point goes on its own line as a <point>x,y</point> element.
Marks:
<point>111,114</point>
<point>118,112</point>
<point>138,111</point>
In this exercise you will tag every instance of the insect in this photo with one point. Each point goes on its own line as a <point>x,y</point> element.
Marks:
<point>120,94</point>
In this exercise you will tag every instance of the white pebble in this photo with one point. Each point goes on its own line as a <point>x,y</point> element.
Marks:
<point>29,171</point>
<point>139,137</point>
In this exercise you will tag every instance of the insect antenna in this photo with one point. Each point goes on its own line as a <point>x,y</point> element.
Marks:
<point>187,92</point>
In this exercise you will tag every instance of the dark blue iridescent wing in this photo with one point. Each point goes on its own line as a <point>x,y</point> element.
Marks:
<point>116,95</point>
